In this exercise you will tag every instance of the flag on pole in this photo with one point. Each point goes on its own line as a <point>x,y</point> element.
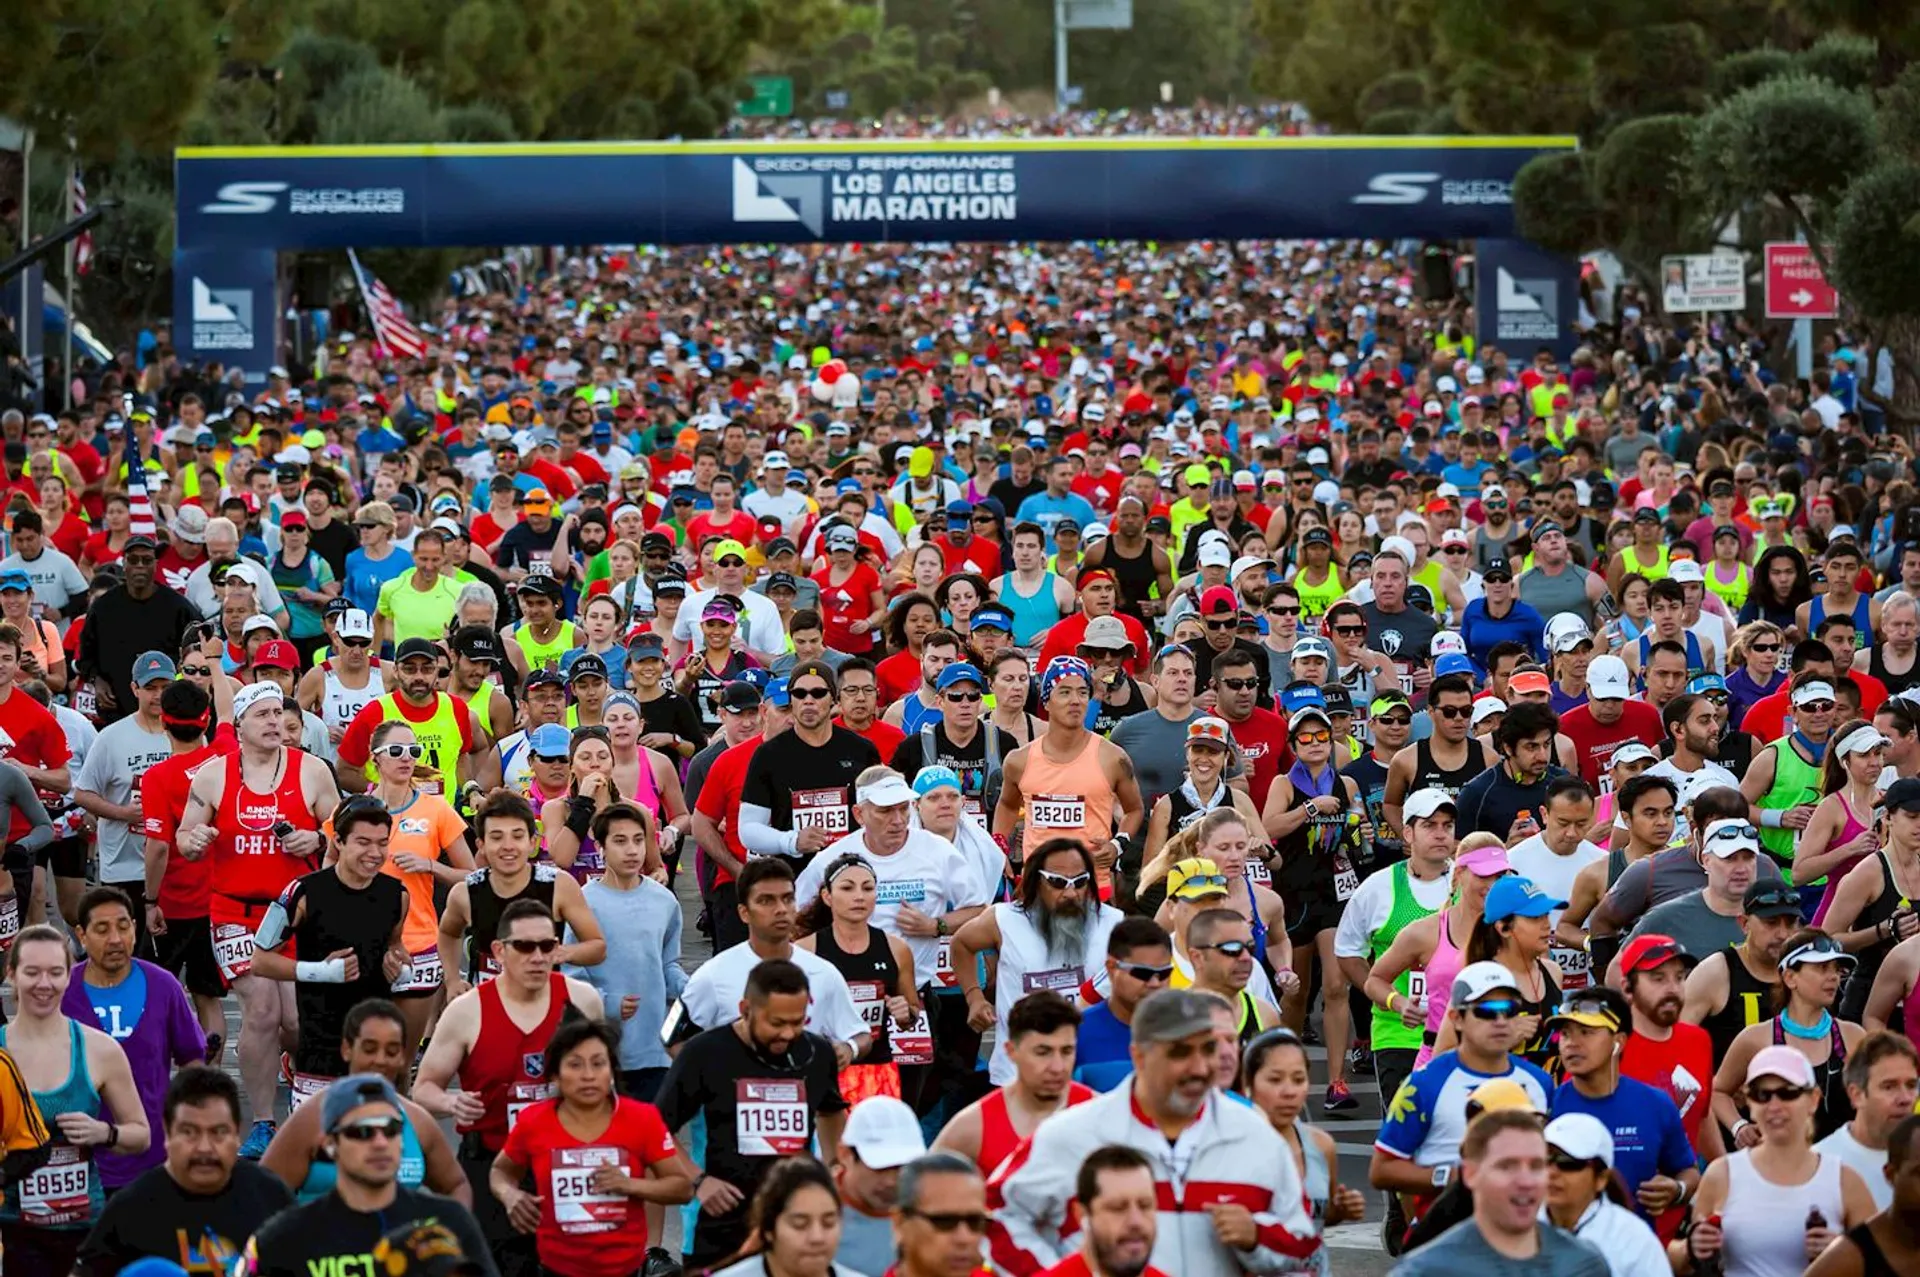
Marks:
<point>139,504</point>
<point>76,205</point>
<point>391,327</point>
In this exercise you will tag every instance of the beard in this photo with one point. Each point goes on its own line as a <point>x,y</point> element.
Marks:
<point>1115,1263</point>
<point>1065,932</point>
<point>1665,1012</point>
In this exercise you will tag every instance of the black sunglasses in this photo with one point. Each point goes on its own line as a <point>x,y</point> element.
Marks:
<point>533,946</point>
<point>1140,971</point>
<point>1232,948</point>
<point>368,1129</point>
<point>949,1221</point>
<point>1240,684</point>
<point>812,693</point>
<point>1503,1009</point>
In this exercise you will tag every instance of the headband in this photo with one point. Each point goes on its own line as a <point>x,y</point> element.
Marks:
<point>852,862</point>
<point>1063,667</point>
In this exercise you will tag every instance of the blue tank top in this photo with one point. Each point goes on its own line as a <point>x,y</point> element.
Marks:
<point>914,715</point>
<point>1102,1057</point>
<point>1032,613</point>
<point>76,1095</point>
<point>1862,613</point>
<point>322,1173</point>
<point>1696,660</point>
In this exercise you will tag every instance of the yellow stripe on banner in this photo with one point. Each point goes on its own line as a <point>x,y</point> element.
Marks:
<point>562,150</point>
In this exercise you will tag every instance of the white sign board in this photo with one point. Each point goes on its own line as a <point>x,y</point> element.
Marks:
<point>1703,281</point>
<point>1097,15</point>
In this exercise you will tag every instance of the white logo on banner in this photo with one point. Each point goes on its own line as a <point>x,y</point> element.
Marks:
<point>222,317</point>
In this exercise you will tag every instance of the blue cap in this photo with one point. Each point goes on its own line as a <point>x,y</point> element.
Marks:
<point>960,672</point>
<point>15,579</point>
<point>205,439</point>
<point>848,485</point>
<point>1707,683</point>
<point>1298,697</point>
<point>149,666</point>
<point>1518,897</point>
<point>549,740</point>
<point>152,1266</point>
<point>994,616</point>
<point>756,677</point>
<point>1453,663</point>
<point>776,691</point>
<point>959,511</point>
<point>355,1091</point>
<point>936,777</point>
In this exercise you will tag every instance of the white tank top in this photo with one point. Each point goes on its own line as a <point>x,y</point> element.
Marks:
<point>1765,1224</point>
<point>340,703</point>
<point>1025,965</point>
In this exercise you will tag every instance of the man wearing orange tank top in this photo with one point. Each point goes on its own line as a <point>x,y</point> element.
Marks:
<point>1070,783</point>
<point>257,820</point>
<point>1041,1033</point>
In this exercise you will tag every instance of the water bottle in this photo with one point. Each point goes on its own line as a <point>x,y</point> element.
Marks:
<point>1714,1265</point>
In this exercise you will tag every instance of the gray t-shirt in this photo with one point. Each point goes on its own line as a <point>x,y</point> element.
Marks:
<point>1462,1249</point>
<point>1667,875</point>
<point>122,753</point>
<point>1699,930</point>
<point>1158,747</point>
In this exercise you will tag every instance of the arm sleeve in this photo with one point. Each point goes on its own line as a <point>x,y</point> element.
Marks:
<point>24,800</point>
<point>758,835</point>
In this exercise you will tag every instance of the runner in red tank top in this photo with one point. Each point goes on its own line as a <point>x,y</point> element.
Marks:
<point>257,817</point>
<point>494,1037</point>
<point>1041,1032</point>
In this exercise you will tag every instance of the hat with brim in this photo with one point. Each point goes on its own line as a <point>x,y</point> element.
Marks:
<point>1172,1015</point>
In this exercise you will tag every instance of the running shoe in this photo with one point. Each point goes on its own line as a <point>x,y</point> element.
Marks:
<point>1339,1098</point>
<point>257,1140</point>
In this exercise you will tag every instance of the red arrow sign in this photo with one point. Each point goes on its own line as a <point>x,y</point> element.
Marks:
<point>1796,288</point>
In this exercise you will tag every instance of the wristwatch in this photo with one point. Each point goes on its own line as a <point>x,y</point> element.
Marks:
<point>1441,1175</point>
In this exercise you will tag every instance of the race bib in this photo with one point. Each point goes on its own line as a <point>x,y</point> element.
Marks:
<point>1064,981</point>
<point>1258,874</point>
<point>943,965</point>
<point>232,950</point>
<point>9,921</point>
<point>577,1207</point>
<point>1417,985</point>
<point>423,974</point>
<point>1346,880</point>
<point>522,1096</point>
<point>61,1192</point>
<point>306,1086</point>
<point>86,701</point>
<point>822,809</point>
<point>870,1000</point>
<point>1576,967</point>
<point>914,1044</point>
<point>1056,811</point>
<point>770,1117</point>
<point>540,566</point>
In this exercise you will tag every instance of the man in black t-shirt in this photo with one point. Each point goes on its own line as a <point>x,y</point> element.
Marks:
<point>798,793</point>
<point>1395,627</point>
<point>960,739</point>
<point>766,1087</point>
<point>203,1202</point>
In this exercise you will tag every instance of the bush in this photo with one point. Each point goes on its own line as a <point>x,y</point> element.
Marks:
<point>1651,70</point>
<point>1744,70</point>
<point>1643,179</point>
<point>1395,122</point>
<point>1555,204</point>
<point>1794,136</point>
<point>1397,90</point>
<point>1875,247</point>
<point>1849,61</point>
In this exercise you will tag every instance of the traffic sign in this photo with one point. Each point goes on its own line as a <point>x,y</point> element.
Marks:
<point>771,95</point>
<point>1796,286</point>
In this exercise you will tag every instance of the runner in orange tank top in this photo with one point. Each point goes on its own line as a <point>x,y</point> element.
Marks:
<point>1070,783</point>
<point>256,816</point>
<point>1041,1032</point>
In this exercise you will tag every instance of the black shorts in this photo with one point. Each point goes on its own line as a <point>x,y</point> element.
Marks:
<point>186,950</point>
<point>65,857</point>
<point>1309,915</point>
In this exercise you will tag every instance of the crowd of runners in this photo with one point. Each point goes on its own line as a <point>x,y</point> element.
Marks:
<point>909,755</point>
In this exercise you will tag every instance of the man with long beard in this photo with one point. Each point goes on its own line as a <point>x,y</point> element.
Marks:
<point>1053,936</point>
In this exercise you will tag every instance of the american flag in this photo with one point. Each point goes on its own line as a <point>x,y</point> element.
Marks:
<point>139,504</point>
<point>391,327</point>
<point>76,205</point>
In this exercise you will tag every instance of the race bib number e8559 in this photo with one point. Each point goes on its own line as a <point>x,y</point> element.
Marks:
<point>61,1192</point>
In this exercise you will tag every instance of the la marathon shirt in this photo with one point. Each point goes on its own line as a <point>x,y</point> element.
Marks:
<point>928,873</point>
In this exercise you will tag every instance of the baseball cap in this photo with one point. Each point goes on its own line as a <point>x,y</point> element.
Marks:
<point>16,579</point>
<point>1633,752</point>
<point>1498,569</point>
<point>1608,680</point>
<point>1219,600</point>
<point>1214,555</point>
<point>1453,663</point>
<point>1447,643</point>
<point>1566,632</point>
<point>1486,707</point>
<point>739,696</point>
<point>1312,645</point>
<point>1645,952</point>
<point>1784,1062</point>
<point>1423,803</point>
<point>277,654</point>
<point>1195,878</point>
<point>586,665</point>
<point>884,1132</point>
<point>1806,694</point>
<point>719,608</point>
<point>729,549</point>
<point>994,616</point>
<point>1582,1136</point>
<point>1518,897</point>
<point>416,647</point>
<point>1903,795</point>
<point>1247,562</point>
<point>151,666</point>
<point>1530,683</point>
<point>1502,1093</point>
<point>1685,571</point>
<point>549,740</point>
<point>353,624</point>
<point>1477,979</point>
<point>1770,900</point>
<point>477,645</point>
<point>545,676</point>
<point>542,584</point>
<point>1707,683</point>
<point>935,776</point>
<point>959,672</point>
<point>354,1091</point>
<point>1168,1015</point>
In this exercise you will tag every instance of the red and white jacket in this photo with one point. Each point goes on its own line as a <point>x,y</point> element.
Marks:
<point>1230,1155</point>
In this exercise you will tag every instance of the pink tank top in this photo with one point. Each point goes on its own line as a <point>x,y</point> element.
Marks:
<point>1850,830</point>
<point>648,795</point>
<point>1442,967</point>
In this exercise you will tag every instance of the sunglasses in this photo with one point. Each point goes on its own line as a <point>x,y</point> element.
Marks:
<point>950,1221</point>
<point>1319,736</point>
<point>1764,647</point>
<point>1816,707</point>
<point>1230,623</point>
<point>983,518</point>
<point>1729,833</point>
<point>1451,712</point>
<point>356,643</point>
<point>1204,880</point>
<point>1768,1094</point>
<point>368,1129</point>
<point>1394,720</point>
<point>1232,948</point>
<point>1064,882</point>
<point>1567,1164</point>
<point>197,671</point>
<point>961,698</point>
<point>1283,611</point>
<point>1453,549</point>
<point>1240,684</point>
<point>397,750</point>
<point>1148,974</point>
<point>813,693</point>
<point>533,946</point>
<point>1502,1009</point>
<point>1352,631</point>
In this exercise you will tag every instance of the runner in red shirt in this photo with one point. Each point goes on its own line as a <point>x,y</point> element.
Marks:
<point>860,706</point>
<point>1119,1217</point>
<point>1040,1035</point>
<point>178,889</point>
<point>963,550</point>
<point>30,736</point>
<point>1607,721</point>
<point>1664,1052</point>
<point>716,814</point>
<point>726,520</point>
<point>256,816</point>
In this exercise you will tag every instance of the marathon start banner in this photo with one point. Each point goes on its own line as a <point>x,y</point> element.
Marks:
<point>902,190</point>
